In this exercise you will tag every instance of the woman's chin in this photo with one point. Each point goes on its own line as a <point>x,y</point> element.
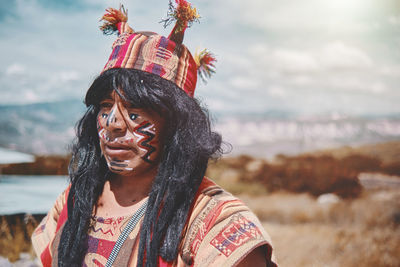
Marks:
<point>122,171</point>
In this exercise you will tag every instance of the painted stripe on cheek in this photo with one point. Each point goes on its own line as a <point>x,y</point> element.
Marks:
<point>145,144</point>
<point>112,163</point>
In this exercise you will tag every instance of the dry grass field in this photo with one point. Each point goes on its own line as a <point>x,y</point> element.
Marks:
<point>360,228</point>
<point>356,232</point>
<point>15,233</point>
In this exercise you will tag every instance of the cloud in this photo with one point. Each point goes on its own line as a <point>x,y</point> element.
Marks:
<point>390,70</point>
<point>30,96</point>
<point>358,84</point>
<point>244,82</point>
<point>293,61</point>
<point>394,20</point>
<point>316,54</point>
<point>50,55</point>
<point>334,55</point>
<point>277,91</point>
<point>338,55</point>
<point>15,69</point>
<point>67,76</point>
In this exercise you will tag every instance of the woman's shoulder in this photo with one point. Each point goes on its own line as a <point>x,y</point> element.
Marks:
<point>213,201</point>
<point>45,232</point>
<point>221,229</point>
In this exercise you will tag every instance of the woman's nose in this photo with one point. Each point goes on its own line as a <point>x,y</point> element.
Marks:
<point>115,121</point>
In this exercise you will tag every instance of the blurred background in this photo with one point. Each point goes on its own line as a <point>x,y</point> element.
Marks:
<point>306,92</point>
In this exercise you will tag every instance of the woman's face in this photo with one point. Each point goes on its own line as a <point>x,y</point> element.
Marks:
<point>130,138</point>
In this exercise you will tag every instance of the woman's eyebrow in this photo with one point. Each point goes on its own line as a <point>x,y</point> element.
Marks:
<point>129,104</point>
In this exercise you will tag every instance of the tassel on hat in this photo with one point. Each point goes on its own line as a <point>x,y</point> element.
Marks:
<point>184,15</point>
<point>115,20</point>
<point>205,64</point>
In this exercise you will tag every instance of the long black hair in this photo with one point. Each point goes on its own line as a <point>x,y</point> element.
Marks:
<point>188,145</point>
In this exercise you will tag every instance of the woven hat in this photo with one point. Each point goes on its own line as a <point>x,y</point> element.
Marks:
<point>153,53</point>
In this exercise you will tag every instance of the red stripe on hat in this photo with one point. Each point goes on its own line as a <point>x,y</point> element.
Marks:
<point>123,51</point>
<point>171,46</point>
<point>191,76</point>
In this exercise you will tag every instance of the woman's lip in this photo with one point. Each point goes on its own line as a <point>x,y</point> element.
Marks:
<point>117,147</point>
<point>115,151</point>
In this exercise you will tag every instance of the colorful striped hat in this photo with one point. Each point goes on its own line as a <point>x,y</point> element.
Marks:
<point>153,53</point>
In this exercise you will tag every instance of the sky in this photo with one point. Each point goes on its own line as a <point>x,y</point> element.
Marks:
<point>308,57</point>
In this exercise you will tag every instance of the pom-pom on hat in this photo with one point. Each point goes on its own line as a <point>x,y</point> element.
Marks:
<point>153,53</point>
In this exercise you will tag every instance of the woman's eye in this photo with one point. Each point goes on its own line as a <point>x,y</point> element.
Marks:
<point>104,115</point>
<point>133,116</point>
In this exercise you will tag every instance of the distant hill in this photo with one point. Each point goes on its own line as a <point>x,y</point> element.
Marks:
<point>42,128</point>
<point>48,128</point>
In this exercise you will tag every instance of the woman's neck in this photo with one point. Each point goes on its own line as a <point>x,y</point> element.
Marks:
<point>123,195</point>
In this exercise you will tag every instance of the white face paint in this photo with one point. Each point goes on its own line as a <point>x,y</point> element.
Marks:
<point>129,137</point>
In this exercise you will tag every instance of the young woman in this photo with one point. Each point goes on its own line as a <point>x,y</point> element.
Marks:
<point>138,195</point>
